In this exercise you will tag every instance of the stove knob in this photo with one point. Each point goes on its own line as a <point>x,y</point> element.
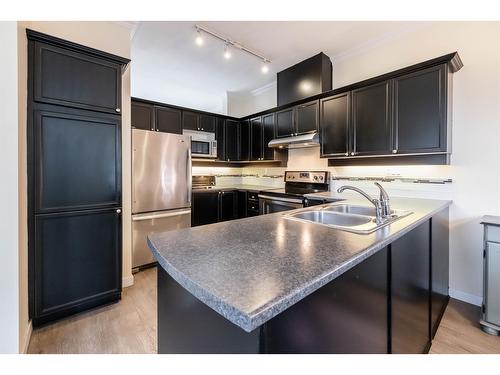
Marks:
<point>315,178</point>
<point>321,178</point>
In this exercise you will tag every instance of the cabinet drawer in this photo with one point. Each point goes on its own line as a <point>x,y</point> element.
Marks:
<point>253,196</point>
<point>492,233</point>
<point>252,206</point>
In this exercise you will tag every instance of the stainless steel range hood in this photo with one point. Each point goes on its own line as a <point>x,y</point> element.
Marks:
<point>297,141</point>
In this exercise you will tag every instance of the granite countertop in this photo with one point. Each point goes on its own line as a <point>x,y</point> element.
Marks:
<point>238,187</point>
<point>249,270</point>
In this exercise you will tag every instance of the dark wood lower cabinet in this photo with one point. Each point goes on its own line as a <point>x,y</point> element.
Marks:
<point>228,205</point>
<point>204,208</point>
<point>77,262</point>
<point>410,266</point>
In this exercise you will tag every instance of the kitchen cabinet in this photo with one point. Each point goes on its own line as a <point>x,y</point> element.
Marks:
<point>410,291</point>
<point>220,137</point>
<point>77,262</point>
<point>74,78</point>
<point>420,111</point>
<point>204,207</point>
<point>307,117</point>
<point>252,203</point>
<point>168,120</point>
<point>242,203</point>
<point>76,162</point>
<point>371,120</point>
<point>256,139</point>
<point>213,206</point>
<point>231,140</point>
<point>269,134</point>
<point>285,125</point>
<point>207,123</point>
<point>228,205</point>
<point>190,121</point>
<point>244,140</point>
<point>334,125</point>
<point>142,116</point>
<point>74,176</point>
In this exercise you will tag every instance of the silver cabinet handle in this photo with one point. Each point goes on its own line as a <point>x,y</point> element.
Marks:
<point>394,151</point>
<point>353,153</point>
<point>118,110</point>
<point>118,211</point>
<point>346,154</point>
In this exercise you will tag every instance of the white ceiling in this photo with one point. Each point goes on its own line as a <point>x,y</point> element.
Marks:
<point>168,66</point>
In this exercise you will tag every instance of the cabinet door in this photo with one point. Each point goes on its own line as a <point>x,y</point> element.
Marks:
<point>285,126</point>
<point>256,138</point>
<point>228,205</point>
<point>207,123</point>
<point>307,117</point>
<point>371,120</point>
<point>190,120</point>
<point>74,79</point>
<point>420,111</point>
<point>492,302</point>
<point>231,140</point>
<point>142,116</point>
<point>242,204</point>
<point>219,136</point>
<point>269,134</point>
<point>205,208</point>
<point>410,291</point>
<point>334,125</point>
<point>76,260</point>
<point>77,160</point>
<point>244,140</point>
<point>168,120</point>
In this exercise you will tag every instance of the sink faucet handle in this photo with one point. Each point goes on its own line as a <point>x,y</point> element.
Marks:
<point>384,200</point>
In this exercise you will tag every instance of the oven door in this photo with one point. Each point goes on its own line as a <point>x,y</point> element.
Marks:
<point>269,204</point>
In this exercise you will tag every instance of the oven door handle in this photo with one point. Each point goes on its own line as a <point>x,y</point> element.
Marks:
<point>280,199</point>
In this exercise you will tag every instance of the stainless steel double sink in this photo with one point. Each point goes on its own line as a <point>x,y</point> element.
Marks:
<point>351,218</point>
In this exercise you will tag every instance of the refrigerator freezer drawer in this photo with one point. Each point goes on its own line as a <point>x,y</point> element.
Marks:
<point>145,224</point>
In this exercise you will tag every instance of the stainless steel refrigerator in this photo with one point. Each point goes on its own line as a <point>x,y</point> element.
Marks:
<point>161,188</point>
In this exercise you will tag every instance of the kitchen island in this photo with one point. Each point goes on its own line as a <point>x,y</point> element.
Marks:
<point>268,284</point>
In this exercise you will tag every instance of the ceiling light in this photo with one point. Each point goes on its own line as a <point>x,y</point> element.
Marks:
<point>265,67</point>
<point>199,38</point>
<point>227,52</point>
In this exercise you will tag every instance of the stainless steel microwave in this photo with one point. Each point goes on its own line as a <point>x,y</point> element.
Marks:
<point>203,144</point>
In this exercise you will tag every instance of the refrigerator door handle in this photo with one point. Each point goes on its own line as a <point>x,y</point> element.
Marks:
<point>189,177</point>
<point>160,216</point>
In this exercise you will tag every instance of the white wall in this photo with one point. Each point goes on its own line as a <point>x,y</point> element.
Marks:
<point>476,130</point>
<point>9,258</point>
<point>240,104</point>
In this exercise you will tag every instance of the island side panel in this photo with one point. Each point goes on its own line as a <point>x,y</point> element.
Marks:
<point>440,261</point>
<point>188,326</point>
<point>348,315</point>
<point>410,294</point>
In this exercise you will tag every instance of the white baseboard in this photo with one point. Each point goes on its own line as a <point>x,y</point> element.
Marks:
<point>127,281</point>
<point>27,338</point>
<point>466,297</point>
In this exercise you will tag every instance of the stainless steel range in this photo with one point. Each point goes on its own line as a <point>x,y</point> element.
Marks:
<point>297,184</point>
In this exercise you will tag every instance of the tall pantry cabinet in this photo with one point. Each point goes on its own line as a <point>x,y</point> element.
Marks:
<point>74,177</point>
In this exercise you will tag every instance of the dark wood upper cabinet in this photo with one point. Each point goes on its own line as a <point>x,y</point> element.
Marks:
<point>220,136</point>
<point>420,118</point>
<point>371,120</point>
<point>168,120</point>
<point>142,116</point>
<point>231,140</point>
<point>256,138</point>
<point>269,134</point>
<point>190,120</point>
<point>285,124</point>
<point>75,79</point>
<point>207,123</point>
<point>244,140</point>
<point>334,125</point>
<point>307,117</point>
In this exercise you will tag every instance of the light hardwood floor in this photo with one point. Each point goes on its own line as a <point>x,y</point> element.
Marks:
<point>130,327</point>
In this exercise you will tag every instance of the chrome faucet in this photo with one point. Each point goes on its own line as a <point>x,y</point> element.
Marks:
<point>382,208</point>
